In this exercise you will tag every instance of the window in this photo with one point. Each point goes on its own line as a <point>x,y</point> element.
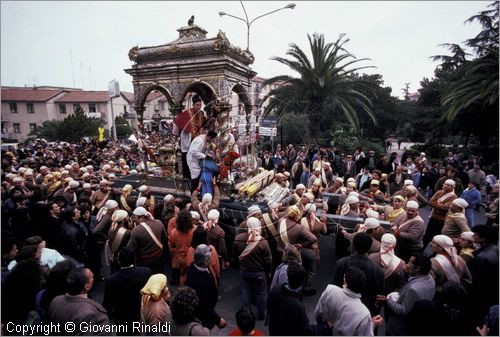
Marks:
<point>17,127</point>
<point>76,107</point>
<point>30,108</point>
<point>13,108</point>
<point>92,107</point>
<point>32,126</point>
<point>62,108</point>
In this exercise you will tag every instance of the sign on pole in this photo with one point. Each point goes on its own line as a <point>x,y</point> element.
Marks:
<point>113,89</point>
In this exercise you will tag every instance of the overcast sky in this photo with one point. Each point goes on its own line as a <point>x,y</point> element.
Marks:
<point>86,44</point>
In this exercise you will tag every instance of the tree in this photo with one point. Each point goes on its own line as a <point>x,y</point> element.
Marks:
<point>325,81</point>
<point>71,129</point>
<point>123,130</point>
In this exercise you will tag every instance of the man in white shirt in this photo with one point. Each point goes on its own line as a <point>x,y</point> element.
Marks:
<point>197,151</point>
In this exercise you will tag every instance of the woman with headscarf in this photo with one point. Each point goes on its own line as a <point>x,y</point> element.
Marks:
<point>447,265</point>
<point>392,265</point>
<point>201,280</point>
<point>179,242</point>
<point>200,237</point>
<point>154,307</point>
<point>118,236</point>
<point>255,262</point>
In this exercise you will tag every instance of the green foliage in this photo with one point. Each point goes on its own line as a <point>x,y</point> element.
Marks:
<point>123,129</point>
<point>324,85</point>
<point>71,129</point>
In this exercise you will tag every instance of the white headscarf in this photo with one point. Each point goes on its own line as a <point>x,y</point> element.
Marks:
<point>446,243</point>
<point>346,207</point>
<point>254,229</point>
<point>204,206</point>
<point>110,204</point>
<point>141,211</point>
<point>389,260</point>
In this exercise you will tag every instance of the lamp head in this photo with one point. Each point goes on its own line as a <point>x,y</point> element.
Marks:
<point>222,13</point>
<point>291,6</point>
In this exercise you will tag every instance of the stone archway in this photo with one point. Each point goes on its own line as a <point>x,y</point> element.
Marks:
<point>211,67</point>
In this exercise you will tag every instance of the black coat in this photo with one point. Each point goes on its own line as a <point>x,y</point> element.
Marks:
<point>203,283</point>
<point>73,241</point>
<point>122,294</point>
<point>375,281</point>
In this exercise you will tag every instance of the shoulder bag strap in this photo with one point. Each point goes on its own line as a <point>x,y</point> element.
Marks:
<point>155,239</point>
<point>248,249</point>
<point>118,239</point>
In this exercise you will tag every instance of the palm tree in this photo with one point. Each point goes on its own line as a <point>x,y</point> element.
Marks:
<point>325,84</point>
<point>477,83</point>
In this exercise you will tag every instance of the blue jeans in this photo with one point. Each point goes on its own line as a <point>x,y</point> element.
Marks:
<point>254,284</point>
<point>469,214</point>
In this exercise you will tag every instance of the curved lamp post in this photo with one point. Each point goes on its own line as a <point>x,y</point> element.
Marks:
<point>249,22</point>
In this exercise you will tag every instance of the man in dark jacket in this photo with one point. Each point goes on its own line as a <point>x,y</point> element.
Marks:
<point>76,307</point>
<point>374,274</point>
<point>122,292</point>
<point>286,312</point>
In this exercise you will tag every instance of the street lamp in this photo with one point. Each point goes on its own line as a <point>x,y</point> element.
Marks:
<point>249,23</point>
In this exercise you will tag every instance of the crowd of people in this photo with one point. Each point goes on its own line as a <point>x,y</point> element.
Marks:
<point>64,224</point>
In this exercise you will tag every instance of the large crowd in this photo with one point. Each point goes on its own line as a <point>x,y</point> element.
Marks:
<point>65,226</point>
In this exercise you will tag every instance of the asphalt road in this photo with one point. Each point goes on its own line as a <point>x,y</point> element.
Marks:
<point>229,288</point>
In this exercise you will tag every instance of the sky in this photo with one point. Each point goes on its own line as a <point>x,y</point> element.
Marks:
<point>85,44</point>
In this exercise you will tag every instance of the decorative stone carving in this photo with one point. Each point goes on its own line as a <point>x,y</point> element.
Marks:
<point>132,54</point>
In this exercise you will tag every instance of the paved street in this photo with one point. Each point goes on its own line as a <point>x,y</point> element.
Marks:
<point>229,289</point>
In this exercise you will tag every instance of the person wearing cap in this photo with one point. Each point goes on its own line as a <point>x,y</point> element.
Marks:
<point>39,179</point>
<point>118,236</point>
<point>374,192</point>
<point>85,192</point>
<point>371,226</point>
<point>255,263</point>
<point>350,207</point>
<point>447,265</point>
<point>409,231</point>
<point>315,176</point>
<point>451,174</point>
<point>69,192</point>
<point>179,242</point>
<point>467,247</point>
<point>145,191</point>
<point>208,201</point>
<point>126,201</point>
<point>217,237</point>
<point>391,264</point>
<point>349,168</point>
<point>396,179</point>
<point>290,231</point>
<point>473,198</point>
<point>101,196</point>
<point>295,198</point>
<point>148,240</point>
<point>440,203</point>
<point>455,222</point>
<point>394,211</point>
<point>74,171</point>
<point>202,281</point>
<point>296,171</point>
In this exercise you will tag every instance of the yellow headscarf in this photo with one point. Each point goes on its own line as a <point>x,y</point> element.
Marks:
<point>294,212</point>
<point>153,288</point>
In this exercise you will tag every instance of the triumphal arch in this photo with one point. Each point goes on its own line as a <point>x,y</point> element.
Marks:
<point>212,67</point>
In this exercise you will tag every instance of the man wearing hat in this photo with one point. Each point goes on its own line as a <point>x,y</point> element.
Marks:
<point>350,207</point>
<point>373,192</point>
<point>292,232</point>
<point>455,222</point>
<point>148,240</point>
<point>315,176</point>
<point>349,167</point>
<point>409,231</point>
<point>295,198</point>
<point>447,265</point>
<point>145,191</point>
<point>467,247</point>
<point>101,196</point>
<point>451,174</point>
<point>396,179</point>
<point>69,192</point>
<point>371,226</point>
<point>217,237</point>
<point>255,263</point>
<point>440,202</point>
